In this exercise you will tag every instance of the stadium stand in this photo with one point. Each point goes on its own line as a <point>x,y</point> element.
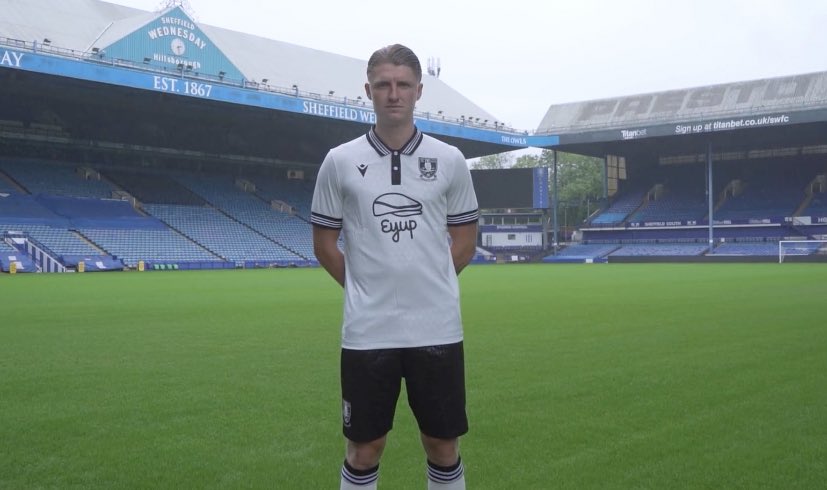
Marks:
<point>222,235</point>
<point>52,223</point>
<point>744,248</point>
<point>61,241</point>
<point>689,235</point>
<point>148,245</point>
<point>765,195</point>
<point>817,206</point>
<point>482,256</point>
<point>221,222</point>
<point>23,263</point>
<point>153,187</point>
<point>290,233</point>
<point>295,193</point>
<point>620,209</point>
<point>21,208</point>
<point>676,203</point>
<point>57,179</point>
<point>756,204</point>
<point>582,252</point>
<point>9,253</point>
<point>97,213</point>
<point>818,232</point>
<point>659,250</point>
<point>6,186</point>
<point>168,152</point>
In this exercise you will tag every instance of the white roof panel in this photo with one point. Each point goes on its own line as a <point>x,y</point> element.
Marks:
<point>81,24</point>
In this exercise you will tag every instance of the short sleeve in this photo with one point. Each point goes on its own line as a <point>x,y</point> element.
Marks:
<point>462,200</point>
<point>326,208</point>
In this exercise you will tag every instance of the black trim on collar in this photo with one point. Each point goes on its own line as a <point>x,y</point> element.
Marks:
<point>382,149</point>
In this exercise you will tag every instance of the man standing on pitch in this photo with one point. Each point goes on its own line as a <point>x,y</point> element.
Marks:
<point>405,205</point>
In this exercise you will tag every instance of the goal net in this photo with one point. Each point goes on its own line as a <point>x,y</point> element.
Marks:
<point>799,248</point>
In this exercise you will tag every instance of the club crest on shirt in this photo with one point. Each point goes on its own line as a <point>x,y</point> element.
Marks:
<point>427,168</point>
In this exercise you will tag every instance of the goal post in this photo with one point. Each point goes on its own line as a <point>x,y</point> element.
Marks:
<point>799,248</point>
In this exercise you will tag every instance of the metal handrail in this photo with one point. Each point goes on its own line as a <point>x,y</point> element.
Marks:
<point>100,57</point>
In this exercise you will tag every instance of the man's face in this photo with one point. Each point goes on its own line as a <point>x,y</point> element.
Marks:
<point>394,91</point>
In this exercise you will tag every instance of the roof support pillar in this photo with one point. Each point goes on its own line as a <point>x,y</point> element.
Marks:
<point>710,195</point>
<point>554,201</point>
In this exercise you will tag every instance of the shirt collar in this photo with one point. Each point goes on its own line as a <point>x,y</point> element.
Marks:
<point>383,149</point>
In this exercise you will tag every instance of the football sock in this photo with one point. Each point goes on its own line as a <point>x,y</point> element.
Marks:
<point>446,477</point>
<point>353,479</point>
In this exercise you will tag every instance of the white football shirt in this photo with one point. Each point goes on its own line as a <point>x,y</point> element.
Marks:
<point>394,208</point>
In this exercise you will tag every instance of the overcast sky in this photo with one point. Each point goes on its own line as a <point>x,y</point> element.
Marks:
<point>514,58</point>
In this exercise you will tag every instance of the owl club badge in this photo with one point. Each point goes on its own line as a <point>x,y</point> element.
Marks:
<point>427,168</point>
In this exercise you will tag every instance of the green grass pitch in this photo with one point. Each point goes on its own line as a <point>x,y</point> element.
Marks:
<point>579,376</point>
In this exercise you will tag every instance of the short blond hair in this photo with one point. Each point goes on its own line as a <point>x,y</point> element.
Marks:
<point>398,55</point>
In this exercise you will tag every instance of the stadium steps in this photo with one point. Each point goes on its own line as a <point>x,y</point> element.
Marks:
<point>652,194</point>
<point>111,182</point>
<point>595,214</point>
<point>301,218</point>
<point>260,198</point>
<point>269,203</point>
<point>733,187</point>
<point>89,242</point>
<point>187,237</point>
<point>13,182</point>
<point>152,188</point>
<point>619,211</point>
<point>804,204</point>
<point>289,249</point>
<point>141,211</point>
<point>245,225</point>
<point>812,187</point>
<point>124,195</point>
<point>643,204</point>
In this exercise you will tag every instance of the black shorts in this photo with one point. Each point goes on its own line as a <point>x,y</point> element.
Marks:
<point>434,380</point>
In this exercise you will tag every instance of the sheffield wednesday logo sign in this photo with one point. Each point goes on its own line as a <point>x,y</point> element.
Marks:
<point>173,41</point>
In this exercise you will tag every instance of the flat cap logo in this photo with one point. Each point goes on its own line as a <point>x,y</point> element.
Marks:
<point>401,206</point>
<point>397,205</point>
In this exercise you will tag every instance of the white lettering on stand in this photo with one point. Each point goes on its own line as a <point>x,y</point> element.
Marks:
<point>11,58</point>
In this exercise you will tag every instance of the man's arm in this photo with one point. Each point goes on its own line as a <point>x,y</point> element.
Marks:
<point>463,244</point>
<point>328,253</point>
